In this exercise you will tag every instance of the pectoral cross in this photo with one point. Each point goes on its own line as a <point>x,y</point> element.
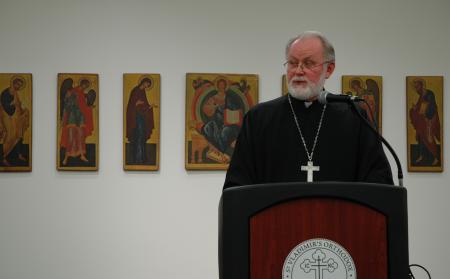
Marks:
<point>310,168</point>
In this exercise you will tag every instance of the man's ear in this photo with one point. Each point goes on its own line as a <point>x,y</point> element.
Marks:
<point>330,69</point>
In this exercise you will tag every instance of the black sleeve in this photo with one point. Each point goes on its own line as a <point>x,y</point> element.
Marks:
<point>432,107</point>
<point>6,100</point>
<point>241,170</point>
<point>373,165</point>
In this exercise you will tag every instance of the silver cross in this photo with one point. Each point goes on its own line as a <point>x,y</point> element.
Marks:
<point>310,168</point>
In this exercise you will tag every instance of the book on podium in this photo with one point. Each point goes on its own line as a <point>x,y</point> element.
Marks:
<point>320,230</point>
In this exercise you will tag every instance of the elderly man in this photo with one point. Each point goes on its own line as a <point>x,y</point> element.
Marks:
<point>295,138</point>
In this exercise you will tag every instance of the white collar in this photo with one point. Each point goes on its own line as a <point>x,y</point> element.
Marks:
<point>308,104</point>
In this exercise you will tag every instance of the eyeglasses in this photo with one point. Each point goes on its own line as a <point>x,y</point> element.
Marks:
<point>308,64</point>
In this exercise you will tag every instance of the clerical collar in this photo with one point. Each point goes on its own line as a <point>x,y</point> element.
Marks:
<point>307,104</point>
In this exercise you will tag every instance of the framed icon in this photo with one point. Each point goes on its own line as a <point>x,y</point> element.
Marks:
<point>77,122</point>
<point>215,107</point>
<point>425,109</point>
<point>16,99</point>
<point>141,120</point>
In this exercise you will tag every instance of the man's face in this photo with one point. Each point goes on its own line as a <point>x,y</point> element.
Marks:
<point>356,86</point>
<point>147,85</point>
<point>221,85</point>
<point>85,85</point>
<point>303,82</point>
<point>418,86</point>
<point>17,84</point>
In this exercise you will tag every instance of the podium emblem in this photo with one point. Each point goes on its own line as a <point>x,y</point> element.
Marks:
<point>319,258</point>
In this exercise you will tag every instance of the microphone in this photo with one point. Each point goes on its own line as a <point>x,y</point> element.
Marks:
<point>326,97</point>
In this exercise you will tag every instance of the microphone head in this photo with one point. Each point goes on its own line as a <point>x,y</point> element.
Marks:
<point>323,97</point>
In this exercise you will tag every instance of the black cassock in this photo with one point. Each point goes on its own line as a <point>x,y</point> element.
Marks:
<point>269,148</point>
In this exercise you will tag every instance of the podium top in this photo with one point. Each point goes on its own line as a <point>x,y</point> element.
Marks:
<point>378,196</point>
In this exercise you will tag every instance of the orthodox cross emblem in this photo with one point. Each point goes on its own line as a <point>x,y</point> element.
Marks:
<point>319,258</point>
<point>319,264</point>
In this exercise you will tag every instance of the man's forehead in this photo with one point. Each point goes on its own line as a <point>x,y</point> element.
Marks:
<point>306,47</point>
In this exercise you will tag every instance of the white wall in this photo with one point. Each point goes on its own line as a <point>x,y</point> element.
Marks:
<point>115,224</point>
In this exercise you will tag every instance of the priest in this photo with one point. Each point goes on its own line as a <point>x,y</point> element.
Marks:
<point>294,138</point>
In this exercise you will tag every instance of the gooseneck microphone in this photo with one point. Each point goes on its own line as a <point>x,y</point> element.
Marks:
<point>327,97</point>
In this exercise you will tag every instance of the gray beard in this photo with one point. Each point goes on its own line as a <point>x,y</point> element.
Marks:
<point>309,92</point>
<point>302,94</point>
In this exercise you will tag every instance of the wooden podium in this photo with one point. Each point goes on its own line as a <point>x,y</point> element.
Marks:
<point>266,231</point>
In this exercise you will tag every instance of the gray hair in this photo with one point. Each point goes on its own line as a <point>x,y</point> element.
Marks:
<point>328,49</point>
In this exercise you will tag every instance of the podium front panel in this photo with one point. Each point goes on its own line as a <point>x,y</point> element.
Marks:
<point>275,231</point>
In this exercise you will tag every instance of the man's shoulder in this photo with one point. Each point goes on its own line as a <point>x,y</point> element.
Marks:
<point>429,93</point>
<point>344,113</point>
<point>341,107</point>
<point>271,106</point>
<point>5,91</point>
